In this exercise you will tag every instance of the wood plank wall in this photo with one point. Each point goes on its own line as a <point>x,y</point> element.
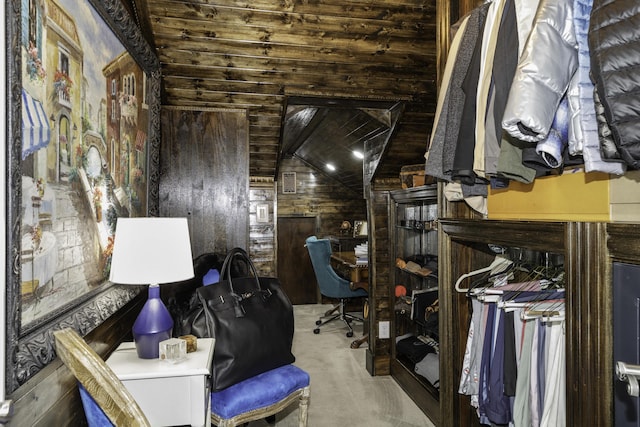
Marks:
<point>378,360</point>
<point>51,397</point>
<point>226,55</point>
<point>317,195</point>
<point>262,235</point>
<point>252,55</point>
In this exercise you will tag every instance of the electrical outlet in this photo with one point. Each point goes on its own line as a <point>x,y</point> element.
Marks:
<point>383,329</point>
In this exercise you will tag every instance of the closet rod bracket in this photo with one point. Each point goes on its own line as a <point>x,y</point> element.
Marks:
<point>629,374</point>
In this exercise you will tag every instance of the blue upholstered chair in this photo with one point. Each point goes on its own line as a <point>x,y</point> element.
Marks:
<point>331,285</point>
<point>262,396</point>
<point>107,402</point>
<point>96,417</point>
<point>105,399</point>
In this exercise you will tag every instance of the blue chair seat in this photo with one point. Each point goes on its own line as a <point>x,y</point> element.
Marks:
<point>261,396</point>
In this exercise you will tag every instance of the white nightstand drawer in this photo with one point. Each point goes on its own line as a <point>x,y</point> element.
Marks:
<point>168,394</point>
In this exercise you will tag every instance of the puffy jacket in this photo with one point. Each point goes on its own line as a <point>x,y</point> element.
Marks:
<point>544,72</point>
<point>585,124</point>
<point>614,43</point>
<point>608,148</point>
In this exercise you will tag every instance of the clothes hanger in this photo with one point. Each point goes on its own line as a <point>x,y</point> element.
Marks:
<point>548,310</point>
<point>542,280</point>
<point>539,294</point>
<point>494,279</point>
<point>500,262</point>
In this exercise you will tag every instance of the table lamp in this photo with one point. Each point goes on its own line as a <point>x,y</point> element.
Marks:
<point>151,251</point>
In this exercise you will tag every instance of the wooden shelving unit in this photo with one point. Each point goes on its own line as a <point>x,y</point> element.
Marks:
<point>414,239</point>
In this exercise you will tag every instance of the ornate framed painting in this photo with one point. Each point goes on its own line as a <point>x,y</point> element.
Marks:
<point>83,132</point>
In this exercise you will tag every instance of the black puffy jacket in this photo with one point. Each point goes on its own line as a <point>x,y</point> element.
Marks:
<point>614,43</point>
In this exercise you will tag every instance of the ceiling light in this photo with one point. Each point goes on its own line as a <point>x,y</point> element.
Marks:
<point>358,154</point>
<point>330,167</point>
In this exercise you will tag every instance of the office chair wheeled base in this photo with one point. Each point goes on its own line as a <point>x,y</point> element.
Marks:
<point>329,312</point>
<point>342,315</point>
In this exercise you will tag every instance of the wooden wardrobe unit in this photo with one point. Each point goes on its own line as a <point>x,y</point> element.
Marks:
<point>589,250</point>
<point>589,363</point>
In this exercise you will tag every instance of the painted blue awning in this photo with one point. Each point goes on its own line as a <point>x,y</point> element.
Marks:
<point>36,132</point>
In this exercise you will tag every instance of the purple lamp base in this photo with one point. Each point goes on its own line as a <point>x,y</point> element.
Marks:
<point>153,325</point>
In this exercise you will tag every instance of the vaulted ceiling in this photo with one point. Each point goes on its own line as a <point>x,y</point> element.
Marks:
<point>258,54</point>
<point>333,136</point>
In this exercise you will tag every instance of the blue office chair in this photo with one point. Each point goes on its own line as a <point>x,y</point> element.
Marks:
<point>330,284</point>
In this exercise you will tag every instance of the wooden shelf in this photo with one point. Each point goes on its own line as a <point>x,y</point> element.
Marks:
<point>419,389</point>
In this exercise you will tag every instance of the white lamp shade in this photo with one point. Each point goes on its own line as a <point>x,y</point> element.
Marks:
<point>151,251</point>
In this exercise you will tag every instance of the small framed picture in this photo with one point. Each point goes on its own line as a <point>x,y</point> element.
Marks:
<point>288,183</point>
<point>262,213</point>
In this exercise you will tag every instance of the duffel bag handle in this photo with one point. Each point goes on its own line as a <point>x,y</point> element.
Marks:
<point>226,270</point>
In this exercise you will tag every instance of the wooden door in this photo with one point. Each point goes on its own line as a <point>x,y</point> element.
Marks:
<point>294,265</point>
<point>204,175</point>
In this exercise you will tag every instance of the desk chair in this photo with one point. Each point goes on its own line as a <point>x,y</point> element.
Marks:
<point>105,399</point>
<point>330,284</point>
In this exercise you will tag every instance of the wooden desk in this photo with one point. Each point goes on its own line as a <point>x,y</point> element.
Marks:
<point>345,244</point>
<point>345,264</point>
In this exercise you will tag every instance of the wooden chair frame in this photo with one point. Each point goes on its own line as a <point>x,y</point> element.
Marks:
<point>99,380</point>
<point>302,395</point>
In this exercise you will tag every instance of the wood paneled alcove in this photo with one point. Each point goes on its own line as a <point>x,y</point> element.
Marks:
<point>228,56</point>
<point>241,61</point>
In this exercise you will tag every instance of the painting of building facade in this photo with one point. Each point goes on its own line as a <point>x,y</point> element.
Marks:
<point>84,152</point>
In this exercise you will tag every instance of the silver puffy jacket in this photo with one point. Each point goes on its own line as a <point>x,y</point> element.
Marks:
<point>544,72</point>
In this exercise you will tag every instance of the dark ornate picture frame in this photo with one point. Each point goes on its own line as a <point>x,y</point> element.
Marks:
<point>29,350</point>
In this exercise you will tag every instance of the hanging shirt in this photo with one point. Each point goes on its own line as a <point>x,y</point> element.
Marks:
<point>555,411</point>
<point>471,362</point>
<point>510,365</point>
<point>521,405</point>
<point>497,406</point>
<point>485,364</point>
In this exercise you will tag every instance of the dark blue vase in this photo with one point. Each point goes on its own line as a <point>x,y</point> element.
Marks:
<point>153,325</point>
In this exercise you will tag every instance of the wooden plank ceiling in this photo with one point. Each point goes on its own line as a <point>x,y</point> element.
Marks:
<point>254,54</point>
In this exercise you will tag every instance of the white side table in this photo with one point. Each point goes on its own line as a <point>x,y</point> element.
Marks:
<point>169,394</point>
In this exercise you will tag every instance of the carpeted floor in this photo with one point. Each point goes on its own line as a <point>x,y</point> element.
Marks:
<point>342,391</point>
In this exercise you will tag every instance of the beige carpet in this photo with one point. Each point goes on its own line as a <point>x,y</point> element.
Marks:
<point>342,391</point>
